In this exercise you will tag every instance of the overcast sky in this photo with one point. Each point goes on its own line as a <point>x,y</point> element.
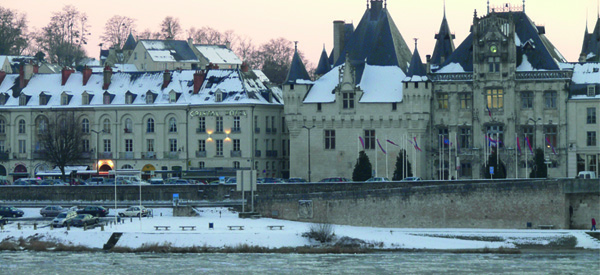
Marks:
<point>310,21</point>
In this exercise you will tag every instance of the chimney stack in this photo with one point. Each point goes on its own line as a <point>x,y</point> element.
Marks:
<point>66,72</point>
<point>199,77</point>
<point>36,68</point>
<point>107,76</point>
<point>87,73</point>
<point>25,73</point>
<point>338,39</point>
<point>166,78</point>
<point>245,67</point>
<point>2,76</point>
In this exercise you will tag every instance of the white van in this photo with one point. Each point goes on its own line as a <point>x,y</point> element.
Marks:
<point>587,175</point>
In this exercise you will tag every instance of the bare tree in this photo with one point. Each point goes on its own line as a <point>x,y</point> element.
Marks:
<point>13,32</point>
<point>61,140</point>
<point>148,34</point>
<point>170,27</point>
<point>117,29</point>
<point>63,38</point>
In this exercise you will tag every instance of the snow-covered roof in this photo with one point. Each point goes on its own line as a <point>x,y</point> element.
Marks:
<point>586,73</point>
<point>236,87</point>
<point>218,54</point>
<point>169,51</point>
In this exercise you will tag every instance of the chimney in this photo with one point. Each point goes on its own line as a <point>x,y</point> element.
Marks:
<point>25,73</point>
<point>107,75</point>
<point>228,44</point>
<point>199,77</point>
<point>65,75</point>
<point>245,67</point>
<point>36,68</point>
<point>87,73</point>
<point>338,39</point>
<point>166,78</point>
<point>2,76</point>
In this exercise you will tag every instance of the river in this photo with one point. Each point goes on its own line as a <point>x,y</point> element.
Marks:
<point>570,262</point>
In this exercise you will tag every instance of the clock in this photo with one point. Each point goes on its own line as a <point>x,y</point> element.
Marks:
<point>493,49</point>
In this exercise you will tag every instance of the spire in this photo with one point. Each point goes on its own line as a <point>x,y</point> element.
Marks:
<point>444,9</point>
<point>523,5</point>
<point>129,43</point>
<point>416,67</point>
<point>297,70</point>
<point>444,45</point>
<point>488,8</point>
<point>324,66</point>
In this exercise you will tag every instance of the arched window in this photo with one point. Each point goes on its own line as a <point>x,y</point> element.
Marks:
<point>128,125</point>
<point>2,126</point>
<point>126,166</point>
<point>22,126</point>
<point>42,125</point>
<point>172,125</point>
<point>85,125</point>
<point>106,125</point>
<point>150,126</point>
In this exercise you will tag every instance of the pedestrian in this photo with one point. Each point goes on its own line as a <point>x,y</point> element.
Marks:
<point>593,225</point>
<point>219,213</point>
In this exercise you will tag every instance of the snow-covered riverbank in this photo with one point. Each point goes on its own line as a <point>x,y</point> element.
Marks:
<point>256,232</point>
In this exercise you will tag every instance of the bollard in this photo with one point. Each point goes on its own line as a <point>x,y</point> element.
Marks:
<point>19,226</point>
<point>2,227</point>
<point>102,227</point>
<point>161,214</point>
<point>84,227</point>
<point>51,226</point>
<point>130,219</point>
<point>68,226</point>
<point>34,226</point>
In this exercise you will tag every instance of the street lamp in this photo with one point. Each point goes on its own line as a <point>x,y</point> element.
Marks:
<point>97,147</point>
<point>534,130</point>
<point>307,128</point>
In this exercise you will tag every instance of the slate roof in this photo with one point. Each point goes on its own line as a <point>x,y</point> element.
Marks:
<point>218,54</point>
<point>169,50</point>
<point>375,41</point>
<point>531,46</point>
<point>416,70</point>
<point>297,70</point>
<point>324,65</point>
<point>444,44</point>
<point>591,44</point>
<point>129,43</point>
<point>585,75</point>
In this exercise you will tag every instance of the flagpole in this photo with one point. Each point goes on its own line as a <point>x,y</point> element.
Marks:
<point>376,155</point>
<point>386,161</point>
<point>456,164</point>
<point>415,160</point>
<point>404,160</point>
<point>440,158</point>
<point>526,164</point>
<point>516,157</point>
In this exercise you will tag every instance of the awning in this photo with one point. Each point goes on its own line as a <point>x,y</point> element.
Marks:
<point>19,173</point>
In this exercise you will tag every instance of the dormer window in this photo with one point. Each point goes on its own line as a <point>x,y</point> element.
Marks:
<point>128,98</point>
<point>591,91</point>
<point>64,99</point>
<point>218,96</point>
<point>85,99</point>
<point>348,100</point>
<point>22,100</point>
<point>172,97</point>
<point>106,98</point>
<point>149,97</point>
<point>3,99</point>
<point>43,99</point>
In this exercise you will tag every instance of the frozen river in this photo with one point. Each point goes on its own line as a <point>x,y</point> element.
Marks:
<point>571,262</point>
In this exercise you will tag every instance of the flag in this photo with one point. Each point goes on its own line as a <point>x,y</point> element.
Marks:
<point>529,144</point>
<point>458,148</point>
<point>447,141</point>
<point>416,145</point>
<point>549,143</point>
<point>362,142</point>
<point>489,111</point>
<point>381,147</point>
<point>493,142</point>
<point>392,142</point>
<point>518,145</point>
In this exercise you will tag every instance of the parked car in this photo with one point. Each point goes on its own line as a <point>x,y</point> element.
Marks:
<point>411,179</point>
<point>96,211</point>
<point>181,181</point>
<point>271,180</point>
<point>4,182</point>
<point>377,179</point>
<point>335,179</point>
<point>64,218</point>
<point>11,211</point>
<point>84,220</point>
<point>135,211</point>
<point>53,182</point>
<point>296,180</point>
<point>157,181</point>
<point>51,210</point>
<point>3,221</point>
<point>95,181</point>
<point>232,180</point>
<point>27,181</point>
<point>586,175</point>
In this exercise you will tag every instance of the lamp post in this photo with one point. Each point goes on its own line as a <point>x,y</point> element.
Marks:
<point>308,128</point>
<point>97,148</point>
<point>534,130</point>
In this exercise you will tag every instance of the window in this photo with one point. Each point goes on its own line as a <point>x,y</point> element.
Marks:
<point>172,145</point>
<point>22,126</point>
<point>2,99</point>
<point>64,99</point>
<point>85,99</point>
<point>2,126</point>
<point>465,169</point>
<point>85,125</point>
<point>43,99</point>
<point>591,91</point>
<point>236,124</point>
<point>219,143</point>
<point>394,106</point>
<point>528,133</point>
<point>348,100</point>
<point>150,125</point>
<point>150,145</point>
<point>22,100</point>
<point>494,64</point>
<point>128,125</point>
<point>273,124</point>
<point>106,126</point>
<point>2,147</point>
<point>201,124</point>
<point>465,138</point>
<point>128,98</point>
<point>172,125</point>
<point>236,164</point>
<point>135,56</point>
<point>318,107</point>
<point>465,100</point>
<point>237,145</point>
<point>550,99</point>
<point>329,139</point>
<point>267,124</point>
<point>369,139</point>
<point>129,145</point>
<point>149,97</point>
<point>496,132</point>
<point>201,164</point>
<point>219,124</point>
<point>495,98</point>
<point>527,100</point>
<point>592,163</point>
<point>218,97</point>
<point>107,145</point>
<point>202,145</point>
<point>551,136</point>
<point>22,146</point>
<point>442,99</point>
<point>256,165</point>
<point>85,145</point>
<point>283,127</point>
<point>591,115</point>
<point>106,98</point>
<point>443,137</point>
<point>256,129</point>
<point>42,126</point>
<point>172,97</point>
<point>591,138</point>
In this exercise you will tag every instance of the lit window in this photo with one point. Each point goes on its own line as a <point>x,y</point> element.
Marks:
<point>442,101</point>
<point>495,98</point>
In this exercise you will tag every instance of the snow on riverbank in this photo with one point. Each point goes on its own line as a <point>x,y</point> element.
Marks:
<point>256,233</point>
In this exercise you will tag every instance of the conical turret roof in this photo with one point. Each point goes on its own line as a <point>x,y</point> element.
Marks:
<point>130,43</point>
<point>297,70</point>
<point>591,44</point>
<point>444,44</point>
<point>416,67</point>
<point>324,65</point>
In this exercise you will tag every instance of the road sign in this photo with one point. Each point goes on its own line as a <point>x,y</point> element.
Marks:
<point>491,170</point>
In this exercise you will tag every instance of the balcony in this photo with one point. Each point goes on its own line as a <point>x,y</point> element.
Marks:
<point>200,154</point>
<point>200,130</point>
<point>268,131</point>
<point>236,130</point>
<point>127,131</point>
<point>38,154</point>
<point>257,153</point>
<point>19,155</point>
<point>171,155</point>
<point>125,155</point>
<point>4,156</point>
<point>257,130</point>
<point>105,155</point>
<point>148,155</point>
<point>271,153</point>
<point>86,155</point>
<point>236,153</point>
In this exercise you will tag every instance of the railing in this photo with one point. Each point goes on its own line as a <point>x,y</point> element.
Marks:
<point>271,153</point>
<point>149,155</point>
<point>236,130</point>
<point>200,130</point>
<point>128,131</point>
<point>38,154</point>
<point>86,155</point>
<point>4,156</point>
<point>200,154</point>
<point>171,155</point>
<point>236,153</point>
<point>19,155</point>
<point>257,153</point>
<point>452,77</point>
<point>126,155</point>
<point>544,75</point>
<point>105,155</point>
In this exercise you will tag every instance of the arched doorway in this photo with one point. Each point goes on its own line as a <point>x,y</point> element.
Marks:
<point>20,172</point>
<point>104,169</point>
<point>148,171</point>
<point>2,171</point>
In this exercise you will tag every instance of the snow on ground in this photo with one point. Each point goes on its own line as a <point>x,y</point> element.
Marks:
<point>139,232</point>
